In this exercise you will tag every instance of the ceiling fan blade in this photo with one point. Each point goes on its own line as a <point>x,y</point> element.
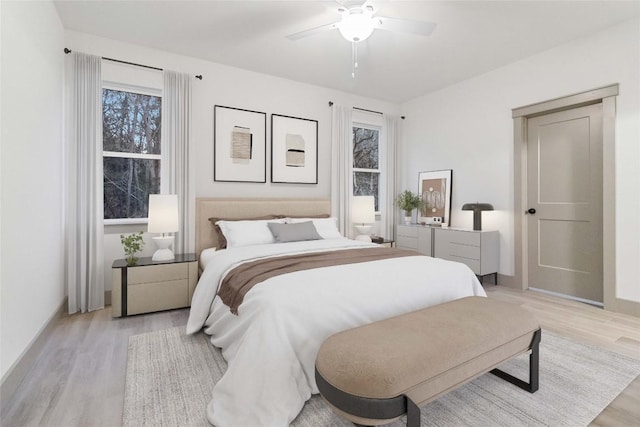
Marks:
<point>312,31</point>
<point>405,25</point>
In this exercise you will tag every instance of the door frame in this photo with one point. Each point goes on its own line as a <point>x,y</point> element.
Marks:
<point>607,96</point>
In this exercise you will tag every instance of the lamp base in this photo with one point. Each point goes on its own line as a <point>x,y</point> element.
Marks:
<point>363,233</point>
<point>163,253</point>
<point>477,220</point>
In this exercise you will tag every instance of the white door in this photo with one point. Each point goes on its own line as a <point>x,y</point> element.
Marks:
<point>564,193</point>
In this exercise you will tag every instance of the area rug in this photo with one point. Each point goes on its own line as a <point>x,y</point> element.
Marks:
<point>170,377</point>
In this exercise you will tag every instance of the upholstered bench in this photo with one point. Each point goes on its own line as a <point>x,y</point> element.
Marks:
<point>375,373</point>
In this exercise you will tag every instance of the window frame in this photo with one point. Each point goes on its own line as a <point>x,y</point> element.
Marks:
<point>379,170</point>
<point>142,90</point>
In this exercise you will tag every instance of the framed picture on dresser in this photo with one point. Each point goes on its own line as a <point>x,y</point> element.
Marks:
<point>435,188</point>
<point>239,145</point>
<point>294,150</point>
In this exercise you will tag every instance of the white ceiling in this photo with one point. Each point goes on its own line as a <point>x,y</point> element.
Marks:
<point>471,37</point>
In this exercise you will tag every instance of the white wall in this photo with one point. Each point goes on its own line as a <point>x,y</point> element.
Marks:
<point>32,177</point>
<point>468,127</point>
<point>233,87</point>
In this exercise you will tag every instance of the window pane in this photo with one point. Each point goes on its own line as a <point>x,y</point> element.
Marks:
<point>366,184</point>
<point>365,148</point>
<point>130,122</point>
<point>127,185</point>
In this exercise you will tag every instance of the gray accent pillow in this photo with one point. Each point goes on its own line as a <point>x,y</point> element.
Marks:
<point>294,232</point>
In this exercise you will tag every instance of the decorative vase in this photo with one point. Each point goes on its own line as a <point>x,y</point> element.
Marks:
<point>407,218</point>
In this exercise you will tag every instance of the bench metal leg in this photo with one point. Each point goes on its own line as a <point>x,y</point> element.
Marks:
<point>532,385</point>
<point>413,414</point>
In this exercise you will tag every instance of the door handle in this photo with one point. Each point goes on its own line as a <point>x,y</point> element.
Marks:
<point>531,211</point>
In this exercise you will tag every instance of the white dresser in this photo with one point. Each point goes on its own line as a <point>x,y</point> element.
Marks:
<point>416,237</point>
<point>480,250</point>
<point>477,249</point>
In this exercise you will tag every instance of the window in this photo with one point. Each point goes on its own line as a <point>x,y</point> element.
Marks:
<point>131,152</point>
<point>366,163</point>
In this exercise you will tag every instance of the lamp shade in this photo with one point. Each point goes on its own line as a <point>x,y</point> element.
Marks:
<point>363,210</point>
<point>477,207</point>
<point>163,213</point>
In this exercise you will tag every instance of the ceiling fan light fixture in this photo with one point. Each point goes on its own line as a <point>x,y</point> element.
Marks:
<point>356,25</point>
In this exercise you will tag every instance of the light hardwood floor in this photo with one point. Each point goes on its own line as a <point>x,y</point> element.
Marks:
<point>78,380</point>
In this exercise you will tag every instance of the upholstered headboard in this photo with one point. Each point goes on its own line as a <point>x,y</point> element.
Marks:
<point>243,208</point>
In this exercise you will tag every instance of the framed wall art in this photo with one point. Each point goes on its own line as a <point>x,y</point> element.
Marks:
<point>435,189</point>
<point>294,150</point>
<point>239,145</point>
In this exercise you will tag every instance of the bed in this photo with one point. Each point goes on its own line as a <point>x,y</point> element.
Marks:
<point>272,342</point>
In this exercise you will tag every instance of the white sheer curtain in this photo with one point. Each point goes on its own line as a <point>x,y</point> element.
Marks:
<point>341,176</point>
<point>392,126</point>
<point>84,213</point>
<point>176,134</point>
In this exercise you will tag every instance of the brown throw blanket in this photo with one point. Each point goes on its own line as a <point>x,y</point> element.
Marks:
<point>241,279</point>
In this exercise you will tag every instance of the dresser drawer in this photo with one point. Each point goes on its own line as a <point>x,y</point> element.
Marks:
<point>158,273</point>
<point>459,237</point>
<point>473,264</point>
<point>477,249</point>
<point>461,251</point>
<point>406,242</point>
<point>148,297</point>
<point>407,231</point>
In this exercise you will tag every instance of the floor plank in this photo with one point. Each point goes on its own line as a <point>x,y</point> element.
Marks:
<point>78,380</point>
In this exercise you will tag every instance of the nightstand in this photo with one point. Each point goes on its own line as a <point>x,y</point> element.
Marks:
<point>151,285</point>
<point>387,243</point>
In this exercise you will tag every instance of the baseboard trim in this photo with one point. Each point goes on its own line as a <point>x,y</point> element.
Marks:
<point>16,373</point>
<point>570,297</point>
<point>625,306</point>
<point>509,281</point>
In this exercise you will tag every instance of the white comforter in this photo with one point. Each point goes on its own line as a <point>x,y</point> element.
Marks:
<point>272,344</point>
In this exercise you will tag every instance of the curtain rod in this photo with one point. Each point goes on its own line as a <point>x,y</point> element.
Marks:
<point>368,111</point>
<point>67,51</point>
<point>363,109</point>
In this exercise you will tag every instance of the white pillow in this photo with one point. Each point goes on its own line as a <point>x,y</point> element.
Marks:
<point>246,233</point>
<point>206,256</point>
<point>327,227</point>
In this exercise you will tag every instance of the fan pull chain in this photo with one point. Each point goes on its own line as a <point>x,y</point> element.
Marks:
<point>354,59</point>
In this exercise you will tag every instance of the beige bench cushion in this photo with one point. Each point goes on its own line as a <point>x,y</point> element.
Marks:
<point>425,353</point>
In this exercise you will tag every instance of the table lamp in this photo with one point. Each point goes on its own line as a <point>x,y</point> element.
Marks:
<point>363,213</point>
<point>163,218</point>
<point>477,209</point>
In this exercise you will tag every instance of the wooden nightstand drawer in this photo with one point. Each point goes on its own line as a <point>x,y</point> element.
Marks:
<point>151,285</point>
<point>147,297</point>
<point>158,273</point>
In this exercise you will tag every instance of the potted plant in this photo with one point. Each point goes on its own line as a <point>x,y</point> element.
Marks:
<point>132,243</point>
<point>407,201</point>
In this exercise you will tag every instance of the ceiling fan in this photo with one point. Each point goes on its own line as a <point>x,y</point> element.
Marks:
<point>357,23</point>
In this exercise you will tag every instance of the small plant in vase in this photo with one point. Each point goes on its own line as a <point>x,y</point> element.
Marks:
<point>407,201</point>
<point>133,244</point>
